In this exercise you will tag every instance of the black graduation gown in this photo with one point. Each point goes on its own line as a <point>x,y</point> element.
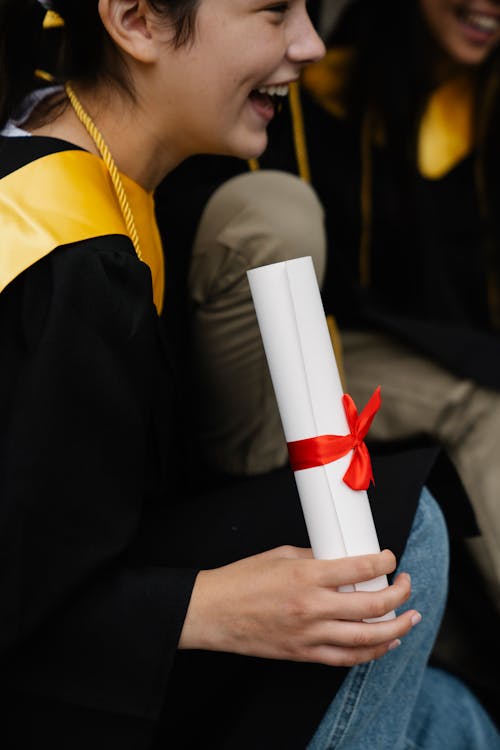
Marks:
<point>101,535</point>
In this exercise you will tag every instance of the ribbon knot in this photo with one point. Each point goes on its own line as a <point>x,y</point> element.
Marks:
<point>321,450</point>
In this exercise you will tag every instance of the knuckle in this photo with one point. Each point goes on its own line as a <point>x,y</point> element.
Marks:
<point>305,653</point>
<point>300,574</point>
<point>306,574</point>
<point>287,550</point>
<point>366,568</point>
<point>296,652</point>
<point>299,608</point>
<point>377,607</point>
<point>350,659</point>
<point>361,638</point>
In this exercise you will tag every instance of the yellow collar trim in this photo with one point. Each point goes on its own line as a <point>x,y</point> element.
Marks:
<point>52,20</point>
<point>70,199</point>
<point>326,80</point>
<point>446,129</point>
<point>445,134</point>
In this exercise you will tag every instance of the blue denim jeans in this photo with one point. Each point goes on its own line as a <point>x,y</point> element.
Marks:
<point>398,702</point>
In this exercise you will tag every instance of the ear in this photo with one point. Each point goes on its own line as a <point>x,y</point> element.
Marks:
<point>130,25</point>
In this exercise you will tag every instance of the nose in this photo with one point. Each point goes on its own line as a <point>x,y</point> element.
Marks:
<point>305,44</point>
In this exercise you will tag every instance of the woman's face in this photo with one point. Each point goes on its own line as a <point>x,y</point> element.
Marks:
<point>220,89</point>
<point>467,31</point>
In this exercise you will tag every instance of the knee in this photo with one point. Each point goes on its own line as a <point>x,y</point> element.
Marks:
<point>426,557</point>
<point>289,211</point>
<point>255,219</point>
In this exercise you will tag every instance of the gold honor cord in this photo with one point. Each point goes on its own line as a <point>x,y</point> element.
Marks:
<point>299,136</point>
<point>105,153</point>
<point>299,133</point>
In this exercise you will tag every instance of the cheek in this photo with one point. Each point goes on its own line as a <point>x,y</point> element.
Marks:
<point>495,44</point>
<point>438,17</point>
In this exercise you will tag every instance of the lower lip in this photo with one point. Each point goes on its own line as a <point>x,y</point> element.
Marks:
<point>264,109</point>
<point>476,36</point>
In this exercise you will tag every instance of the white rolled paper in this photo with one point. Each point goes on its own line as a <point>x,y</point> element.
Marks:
<point>309,394</point>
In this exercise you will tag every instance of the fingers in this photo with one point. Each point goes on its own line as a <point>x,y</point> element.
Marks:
<point>338,656</point>
<point>342,570</point>
<point>356,643</point>
<point>345,570</point>
<point>273,605</point>
<point>366,635</point>
<point>364,605</point>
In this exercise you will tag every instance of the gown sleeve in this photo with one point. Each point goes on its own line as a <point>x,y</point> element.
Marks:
<point>84,623</point>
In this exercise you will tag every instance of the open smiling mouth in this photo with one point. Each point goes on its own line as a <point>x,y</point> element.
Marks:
<point>270,97</point>
<point>481,22</point>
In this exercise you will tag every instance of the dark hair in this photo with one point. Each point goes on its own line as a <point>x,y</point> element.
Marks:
<point>80,51</point>
<point>393,75</point>
<point>393,72</point>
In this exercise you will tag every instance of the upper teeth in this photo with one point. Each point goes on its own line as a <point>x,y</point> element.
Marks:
<point>274,90</point>
<point>483,22</point>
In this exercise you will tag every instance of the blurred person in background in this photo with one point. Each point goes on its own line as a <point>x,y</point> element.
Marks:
<point>396,131</point>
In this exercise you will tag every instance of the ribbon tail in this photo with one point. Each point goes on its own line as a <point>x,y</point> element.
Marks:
<point>359,473</point>
<point>367,415</point>
<point>351,412</point>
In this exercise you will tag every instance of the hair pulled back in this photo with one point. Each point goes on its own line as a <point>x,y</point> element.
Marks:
<point>80,51</point>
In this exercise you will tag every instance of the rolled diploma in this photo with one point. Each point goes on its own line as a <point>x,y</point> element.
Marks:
<point>309,394</point>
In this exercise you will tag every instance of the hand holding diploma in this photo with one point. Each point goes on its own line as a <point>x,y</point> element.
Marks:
<point>321,425</point>
<point>284,604</point>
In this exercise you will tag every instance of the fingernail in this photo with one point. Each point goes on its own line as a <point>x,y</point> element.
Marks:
<point>416,618</point>
<point>394,644</point>
<point>407,576</point>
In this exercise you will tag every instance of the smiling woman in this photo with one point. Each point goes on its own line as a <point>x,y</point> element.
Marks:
<point>119,589</point>
<point>209,101</point>
<point>466,30</point>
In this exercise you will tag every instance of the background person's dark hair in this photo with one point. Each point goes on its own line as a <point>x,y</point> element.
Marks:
<point>393,71</point>
<point>80,51</point>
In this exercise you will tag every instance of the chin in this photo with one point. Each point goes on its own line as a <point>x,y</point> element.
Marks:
<point>249,147</point>
<point>469,56</point>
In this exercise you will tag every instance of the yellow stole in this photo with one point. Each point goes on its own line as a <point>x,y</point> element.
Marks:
<point>68,197</point>
<point>445,134</point>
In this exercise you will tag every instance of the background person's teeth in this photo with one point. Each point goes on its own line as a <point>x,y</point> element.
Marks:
<point>484,22</point>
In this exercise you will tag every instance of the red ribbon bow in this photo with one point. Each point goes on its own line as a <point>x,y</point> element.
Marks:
<point>321,450</point>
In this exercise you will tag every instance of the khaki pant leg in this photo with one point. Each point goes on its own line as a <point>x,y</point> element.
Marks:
<point>421,398</point>
<point>253,219</point>
<point>417,394</point>
<point>472,439</point>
